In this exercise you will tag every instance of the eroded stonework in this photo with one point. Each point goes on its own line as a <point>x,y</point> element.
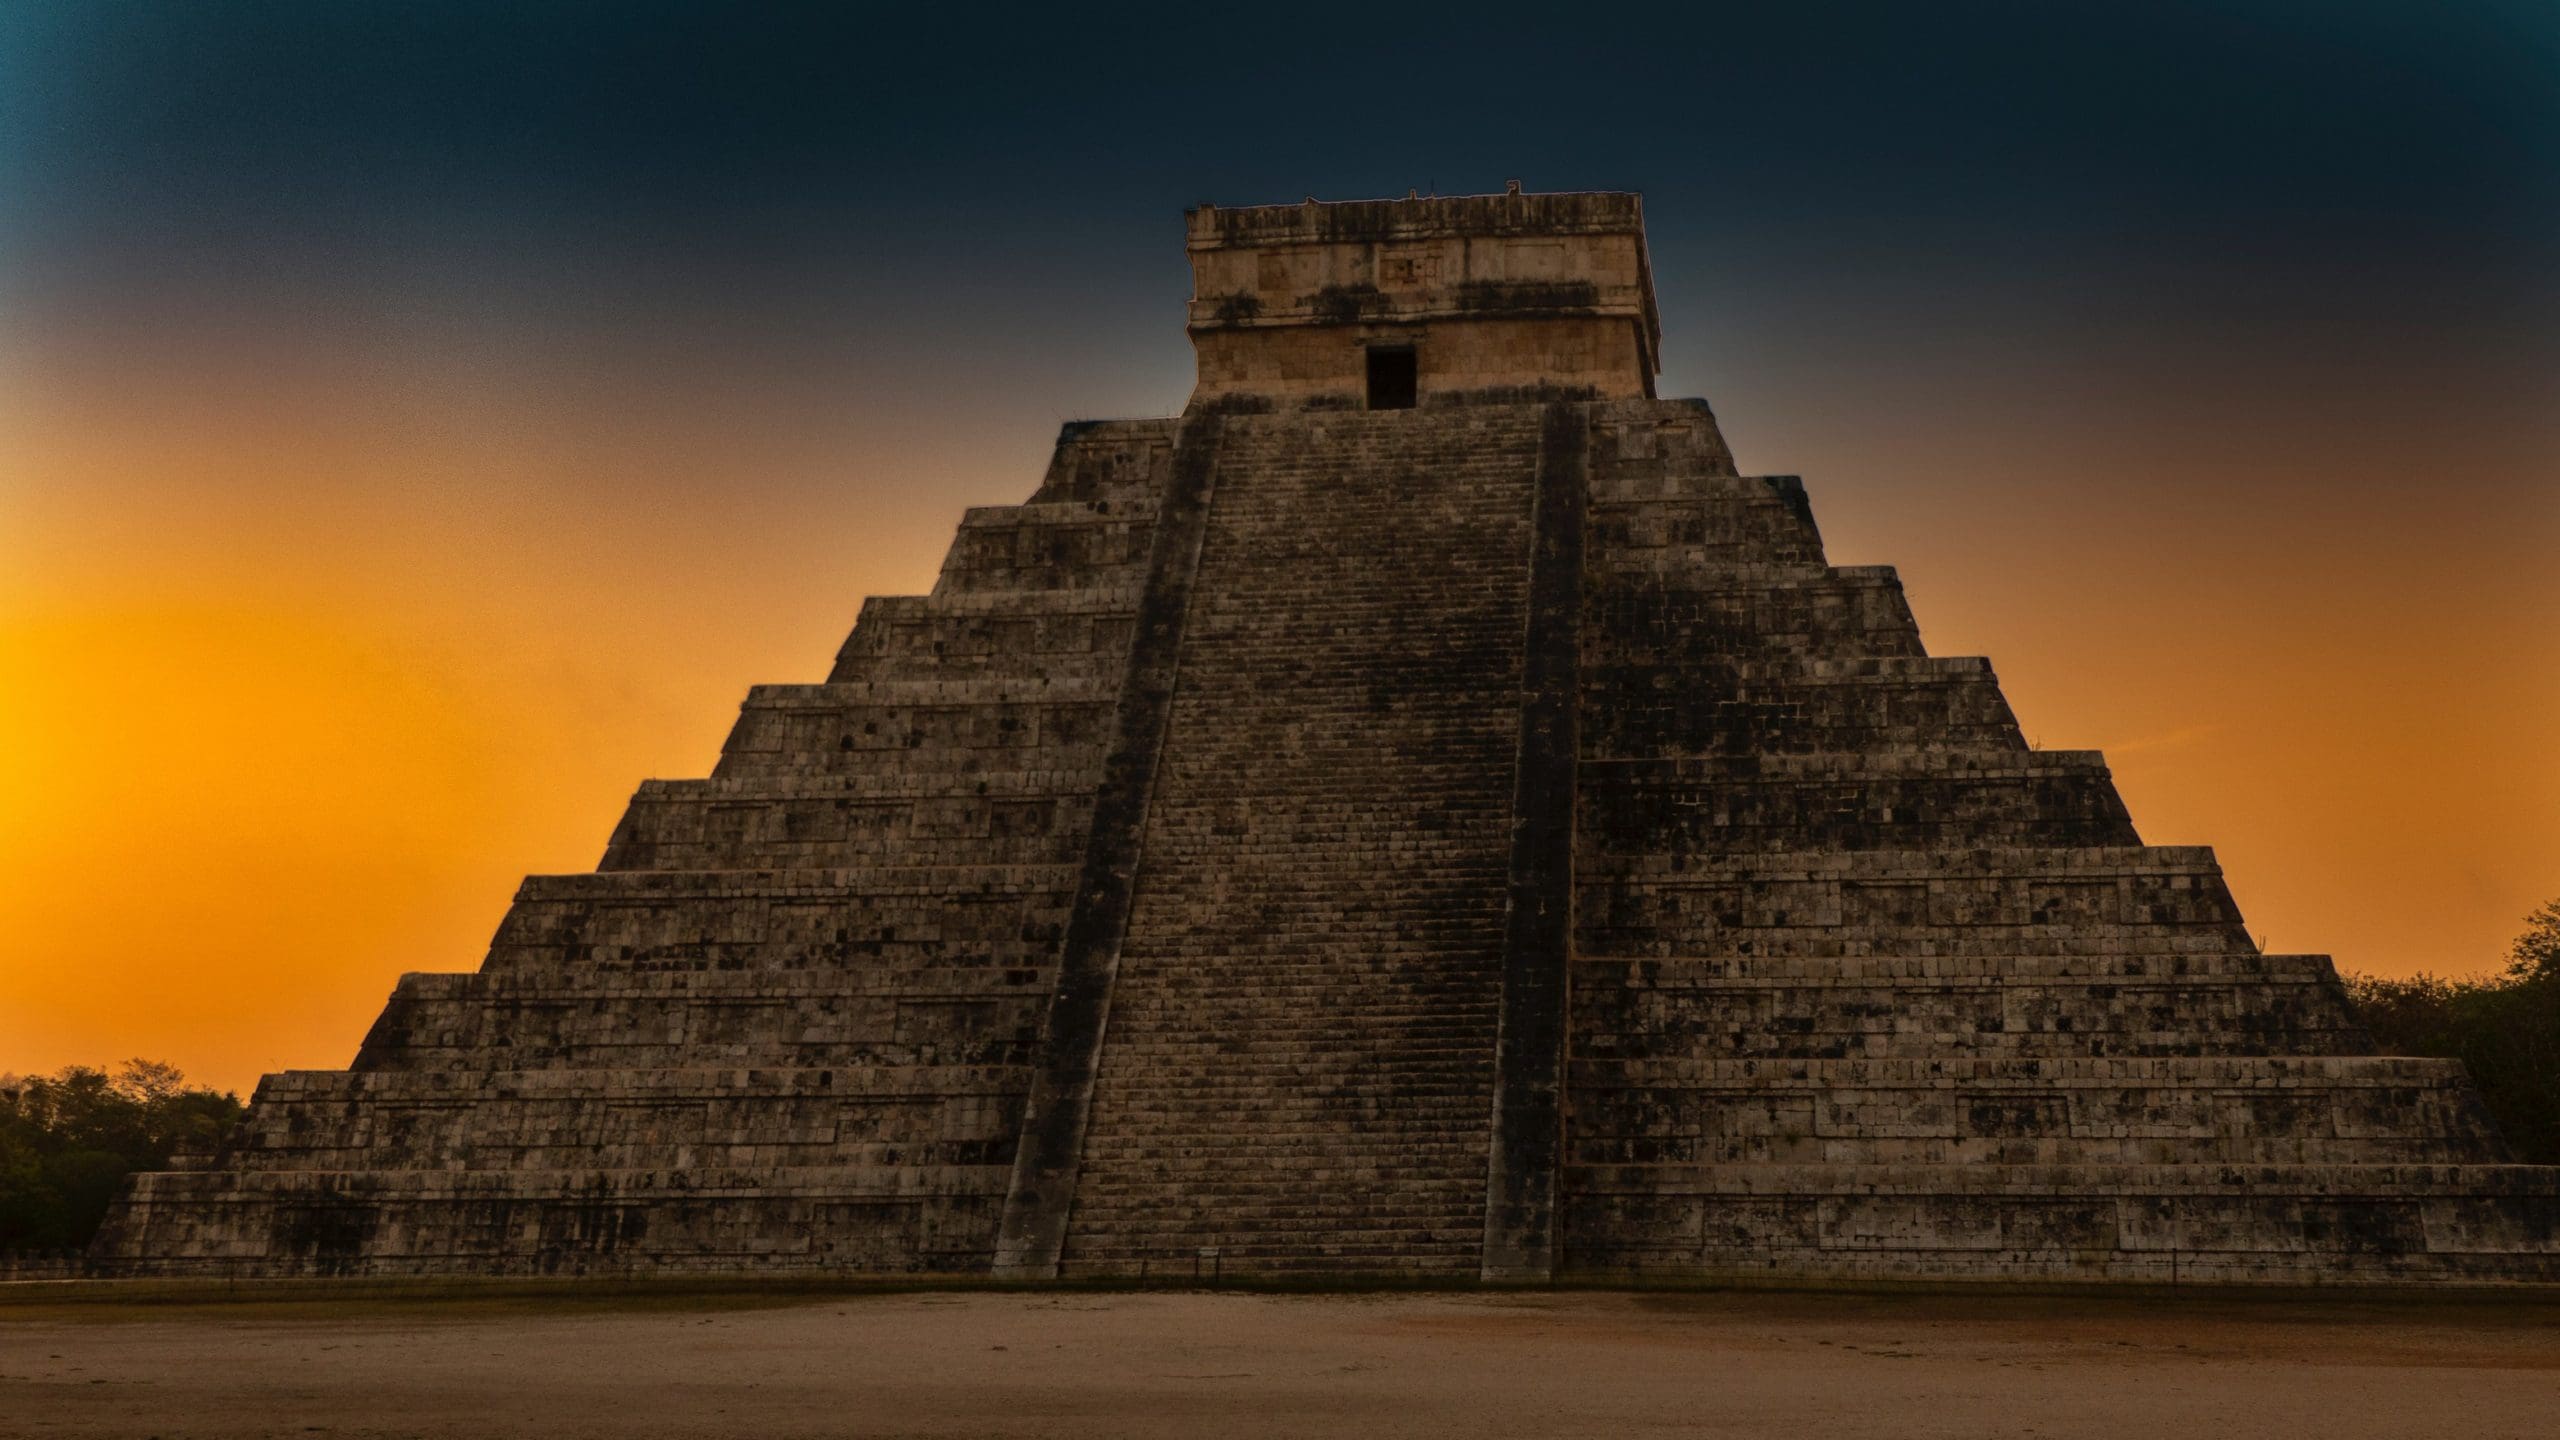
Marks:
<point>1477,839</point>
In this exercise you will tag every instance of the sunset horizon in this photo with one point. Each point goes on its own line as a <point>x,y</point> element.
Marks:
<point>387,503</point>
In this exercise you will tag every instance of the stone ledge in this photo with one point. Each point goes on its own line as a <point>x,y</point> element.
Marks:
<point>2519,1183</point>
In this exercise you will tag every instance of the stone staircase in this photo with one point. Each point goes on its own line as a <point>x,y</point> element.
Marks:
<point>1298,1064</point>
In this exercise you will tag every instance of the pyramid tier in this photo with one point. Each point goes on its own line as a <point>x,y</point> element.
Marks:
<point>865,1219</point>
<point>830,924</point>
<point>1992,1006</point>
<point>2345,1110</point>
<point>1054,545</point>
<point>924,1003</point>
<point>1653,710</point>
<point>1770,612</point>
<point>978,723</point>
<point>874,1113</point>
<point>1016,817</point>
<point>2110,900</point>
<point>1896,800</point>
<point>2157,1224</point>
<point>1066,635</point>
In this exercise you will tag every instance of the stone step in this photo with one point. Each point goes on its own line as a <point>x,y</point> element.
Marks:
<point>2229,1223</point>
<point>1991,1007</point>
<point>772,822</point>
<point>918,981</point>
<point>2059,863</point>
<point>1103,597</point>
<point>2092,899</point>
<point>781,920</point>
<point>1280,1234</point>
<point>1239,1214</point>
<point>1415,1024</point>
<point>1715,616</point>
<point>991,721</point>
<point>633,1119</point>
<point>734,1046</point>
<point>2424,1184</point>
<point>1103,662</point>
<point>1843,767</point>
<point>1301,1109</point>
<point>1899,801</point>
<point>1645,711</point>
<point>1294,1156</point>
<point>967,691</point>
<point>1051,514</point>
<point>2271,1072</point>
<point>593,1185</point>
<point>1057,739</point>
<point>1300,1258</point>
<point>1623,495</point>
<point>650,1084</point>
<point>2184,1109</point>
<point>1709,972</point>
<point>821,834</point>
<point>1017,784</point>
<point>984,1017</point>
<point>1031,629</point>
<point>2231,1032</point>
<point>869,1218</point>
<point>834,883</point>
<point>1110,460</point>
<point>1056,554</point>
<point>1418,1050</point>
<point>2279,1144</point>
<point>999,941</point>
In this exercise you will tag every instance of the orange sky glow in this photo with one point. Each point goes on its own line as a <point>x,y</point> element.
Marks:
<point>306,659</point>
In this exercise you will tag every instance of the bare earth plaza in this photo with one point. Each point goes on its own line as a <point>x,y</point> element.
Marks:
<point>1177,1364</point>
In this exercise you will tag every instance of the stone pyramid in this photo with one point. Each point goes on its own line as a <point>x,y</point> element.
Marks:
<point>1420,812</point>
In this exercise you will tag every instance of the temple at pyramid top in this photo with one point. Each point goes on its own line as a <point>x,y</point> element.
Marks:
<point>1392,304</point>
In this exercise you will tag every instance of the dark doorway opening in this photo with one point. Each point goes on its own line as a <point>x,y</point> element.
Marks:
<point>1391,378</point>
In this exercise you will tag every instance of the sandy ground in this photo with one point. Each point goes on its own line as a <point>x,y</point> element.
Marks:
<point>1179,1364</point>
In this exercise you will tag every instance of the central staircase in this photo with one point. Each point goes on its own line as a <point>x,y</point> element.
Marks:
<point>1299,1069</point>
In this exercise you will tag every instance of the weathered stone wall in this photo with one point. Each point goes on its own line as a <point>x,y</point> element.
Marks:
<point>1457,361</point>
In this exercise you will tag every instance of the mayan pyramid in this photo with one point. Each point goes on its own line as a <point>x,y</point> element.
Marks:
<point>1422,811</point>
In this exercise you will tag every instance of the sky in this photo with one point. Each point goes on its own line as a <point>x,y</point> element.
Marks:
<point>420,422</point>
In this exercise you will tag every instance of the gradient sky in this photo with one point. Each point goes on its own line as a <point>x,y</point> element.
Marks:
<point>419,422</point>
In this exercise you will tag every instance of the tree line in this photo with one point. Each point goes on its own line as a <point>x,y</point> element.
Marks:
<point>2505,1027</point>
<point>67,1140</point>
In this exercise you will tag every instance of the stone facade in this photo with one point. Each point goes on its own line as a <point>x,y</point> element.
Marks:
<point>1495,297</point>
<point>1316,835</point>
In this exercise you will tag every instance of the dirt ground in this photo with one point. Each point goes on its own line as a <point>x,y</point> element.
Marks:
<point>1195,1364</point>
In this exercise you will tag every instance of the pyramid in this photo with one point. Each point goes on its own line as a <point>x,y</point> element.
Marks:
<point>1422,812</point>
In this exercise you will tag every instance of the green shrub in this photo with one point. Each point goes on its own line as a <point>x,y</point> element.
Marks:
<point>2506,1028</point>
<point>67,1141</point>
